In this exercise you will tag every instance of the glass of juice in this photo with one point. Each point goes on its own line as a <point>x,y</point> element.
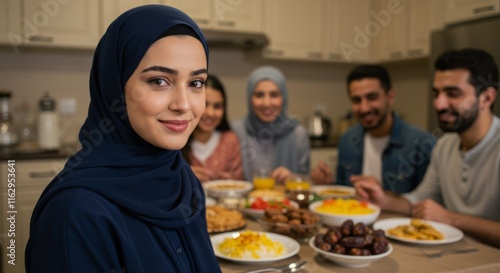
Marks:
<point>262,179</point>
<point>298,189</point>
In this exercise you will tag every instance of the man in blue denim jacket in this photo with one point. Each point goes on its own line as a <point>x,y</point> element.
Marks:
<point>382,147</point>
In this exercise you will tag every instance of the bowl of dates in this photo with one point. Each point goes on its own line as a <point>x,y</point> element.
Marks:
<point>352,245</point>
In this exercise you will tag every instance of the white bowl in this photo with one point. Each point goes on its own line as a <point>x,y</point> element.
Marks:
<point>259,213</point>
<point>333,191</point>
<point>221,188</point>
<point>334,219</point>
<point>349,260</point>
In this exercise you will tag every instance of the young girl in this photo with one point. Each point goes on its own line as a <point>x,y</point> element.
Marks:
<point>128,202</point>
<point>213,150</point>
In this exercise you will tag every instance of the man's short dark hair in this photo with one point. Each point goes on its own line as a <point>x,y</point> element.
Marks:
<point>481,65</point>
<point>371,71</point>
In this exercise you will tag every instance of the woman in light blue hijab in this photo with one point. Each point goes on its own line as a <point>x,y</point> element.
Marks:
<point>268,137</point>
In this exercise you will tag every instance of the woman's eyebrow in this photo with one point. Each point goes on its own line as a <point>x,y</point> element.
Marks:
<point>161,69</point>
<point>173,71</point>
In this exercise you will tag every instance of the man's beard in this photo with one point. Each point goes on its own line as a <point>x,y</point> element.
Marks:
<point>463,121</point>
<point>379,122</point>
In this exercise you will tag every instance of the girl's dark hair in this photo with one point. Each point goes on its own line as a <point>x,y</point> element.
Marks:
<point>213,82</point>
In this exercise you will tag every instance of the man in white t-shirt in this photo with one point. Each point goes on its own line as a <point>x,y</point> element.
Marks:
<point>382,147</point>
<point>462,184</point>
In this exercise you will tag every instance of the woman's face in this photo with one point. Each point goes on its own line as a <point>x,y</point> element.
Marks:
<point>214,110</point>
<point>267,101</point>
<point>165,96</point>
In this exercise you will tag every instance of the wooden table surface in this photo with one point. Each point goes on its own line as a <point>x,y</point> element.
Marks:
<point>404,258</point>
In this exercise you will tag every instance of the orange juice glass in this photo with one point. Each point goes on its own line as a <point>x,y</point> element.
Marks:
<point>298,183</point>
<point>262,179</point>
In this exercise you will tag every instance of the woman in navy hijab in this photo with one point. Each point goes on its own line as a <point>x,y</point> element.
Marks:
<point>128,202</point>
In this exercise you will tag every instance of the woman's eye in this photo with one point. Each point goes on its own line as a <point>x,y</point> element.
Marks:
<point>158,81</point>
<point>197,84</point>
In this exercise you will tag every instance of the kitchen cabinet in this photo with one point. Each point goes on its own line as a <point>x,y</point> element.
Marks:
<point>401,29</point>
<point>345,22</point>
<point>31,178</point>
<point>72,24</point>
<point>111,9</point>
<point>329,155</point>
<point>464,10</point>
<point>228,15</point>
<point>10,24</point>
<point>296,29</point>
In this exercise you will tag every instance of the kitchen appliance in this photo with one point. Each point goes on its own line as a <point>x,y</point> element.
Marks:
<point>8,134</point>
<point>480,34</point>
<point>319,126</point>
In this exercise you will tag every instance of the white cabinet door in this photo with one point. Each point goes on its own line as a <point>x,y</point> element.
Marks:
<point>111,9</point>
<point>238,15</point>
<point>61,23</point>
<point>199,10</point>
<point>31,178</point>
<point>231,15</point>
<point>407,31</point>
<point>388,29</point>
<point>296,29</point>
<point>463,10</point>
<point>10,22</point>
<point>345,22</point>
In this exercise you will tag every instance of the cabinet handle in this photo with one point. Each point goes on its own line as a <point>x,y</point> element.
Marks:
<point>396,55</point>
<point>226,23</point>
<point>336,56</point>
<point>38,38</point>
<point>415,52</point>
<point>275,52</point>
<point>315,55</point>
<point>483,9</point>
<point>201,21</point>
<point>42,174</point>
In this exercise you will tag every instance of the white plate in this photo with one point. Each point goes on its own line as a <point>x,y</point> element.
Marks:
<point>333,191</point>
<point>259,213</point>
<point>292,247</point>
<point>451,234</point>
<point>220,188</point>
<point>209,201</point>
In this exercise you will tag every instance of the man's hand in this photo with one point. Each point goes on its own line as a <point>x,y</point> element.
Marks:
<point>202,173</point>
<point>430,210</point>
<point>322,174</point>
<point>368,188</point>
<point>280,175</point>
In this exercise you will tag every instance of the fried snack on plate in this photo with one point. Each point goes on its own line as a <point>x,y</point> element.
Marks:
<point>221,219</point>
<point>417,230</point>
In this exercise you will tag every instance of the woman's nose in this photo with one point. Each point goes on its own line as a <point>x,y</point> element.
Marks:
<point>180,100</point>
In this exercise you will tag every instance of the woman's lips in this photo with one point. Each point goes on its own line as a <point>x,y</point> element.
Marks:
<point>175,125</point>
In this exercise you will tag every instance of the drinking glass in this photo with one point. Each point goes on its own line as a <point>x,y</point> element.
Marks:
<point>262,179</point>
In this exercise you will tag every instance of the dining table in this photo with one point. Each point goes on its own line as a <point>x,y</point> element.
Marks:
<point>405,257</point>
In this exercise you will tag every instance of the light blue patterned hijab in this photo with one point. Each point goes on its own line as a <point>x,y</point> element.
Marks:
<point>283,124</point>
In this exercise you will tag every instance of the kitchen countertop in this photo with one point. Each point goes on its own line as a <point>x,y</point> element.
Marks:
<point>29,155</point>
<point>330,142</point>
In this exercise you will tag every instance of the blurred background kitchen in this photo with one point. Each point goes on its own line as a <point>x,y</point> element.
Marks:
<point>46,50</point>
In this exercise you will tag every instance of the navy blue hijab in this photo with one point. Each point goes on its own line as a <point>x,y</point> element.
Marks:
<point>150,183</point>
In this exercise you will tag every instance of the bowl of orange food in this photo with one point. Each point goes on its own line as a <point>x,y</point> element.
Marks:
<point>334,212</point>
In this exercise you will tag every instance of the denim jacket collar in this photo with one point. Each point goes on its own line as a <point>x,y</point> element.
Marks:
<point>396,132</point>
